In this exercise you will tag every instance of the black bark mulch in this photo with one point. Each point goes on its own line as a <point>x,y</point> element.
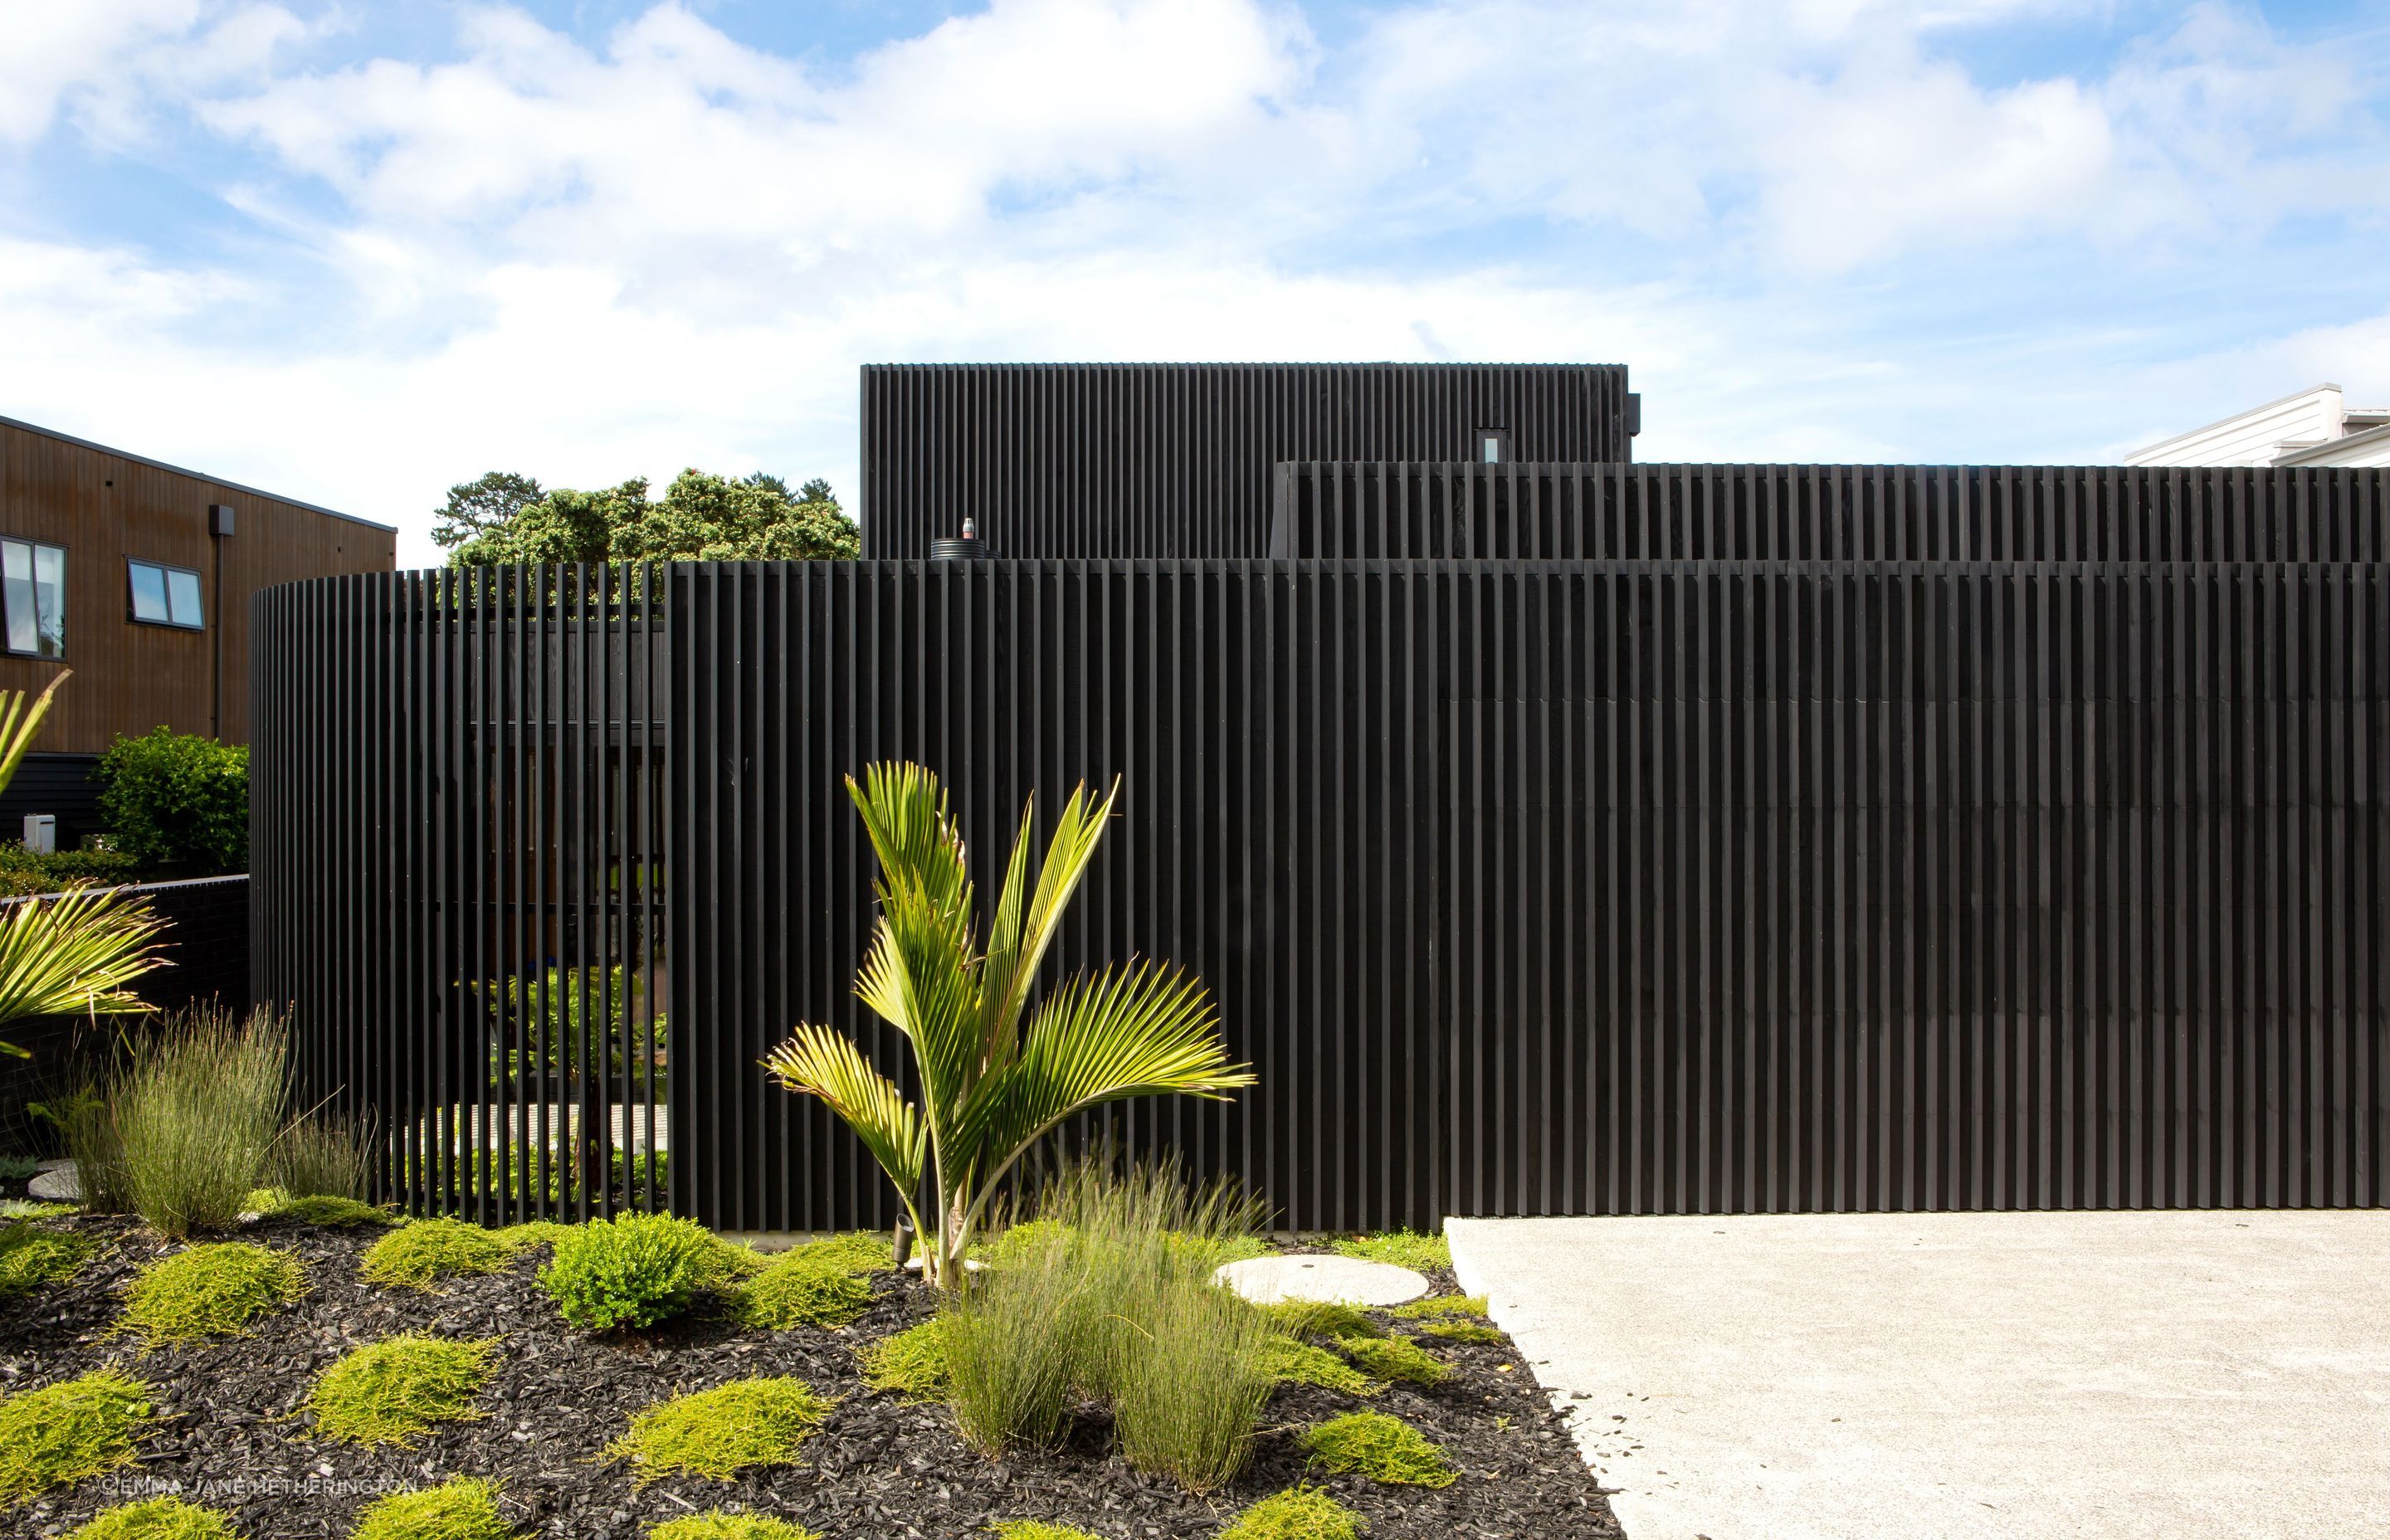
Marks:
<point>231,1432</point>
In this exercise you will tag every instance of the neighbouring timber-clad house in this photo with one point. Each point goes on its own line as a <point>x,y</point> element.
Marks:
<point>1560,833</point>
<point>138,575</point>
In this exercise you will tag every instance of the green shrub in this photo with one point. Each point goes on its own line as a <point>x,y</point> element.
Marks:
<point>17,1168</point>
<point>730,1526</point>
<point>1319,1318</point>
<point>389,1392</point>
<point>31,1257</point>
<point>723,1431</point>
<point>1036,1529</point>
<point>418,1254</point>
<point>1393,1359</point>
<point>1464,1331</point>
<point>176,801</point>
<point>1299,1513</point>
<point>322,1157</point>
<point>1441,1306</point>
<point>26,872</point>
<point>797,1290</point>
<point>912,1363</point>
<point>337,1214</point>
<point>1193,1384</point>
<point>465,1509</point>
<point>1380,1447</point>
<point>529,1169</point>
<point>66,1431</point>
<point>1013,1338</point>
<point>1403,1248</point>
<point>209,1291</point>
<point>632,1272</point>
<point>196,1110</point>
<point>856,1252</point>
<point>158,1518</point>
<point>1289,1362</point>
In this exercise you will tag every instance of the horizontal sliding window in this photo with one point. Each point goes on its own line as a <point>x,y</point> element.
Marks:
<point>34,597</point>
<point>165,596</point>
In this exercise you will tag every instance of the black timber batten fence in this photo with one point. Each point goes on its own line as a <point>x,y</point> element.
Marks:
<point>1528,886</point>
<point>1134,460</point>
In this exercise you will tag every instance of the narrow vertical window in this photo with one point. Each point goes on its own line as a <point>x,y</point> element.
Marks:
<point>164,596</point>
<point>1492,445</point>
<point>34,598</point>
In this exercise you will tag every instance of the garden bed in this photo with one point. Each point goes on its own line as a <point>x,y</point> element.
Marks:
<point>231,1429</point>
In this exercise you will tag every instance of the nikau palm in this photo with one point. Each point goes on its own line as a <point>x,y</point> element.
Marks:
<point>75,953</point>
<point>990,1085</point>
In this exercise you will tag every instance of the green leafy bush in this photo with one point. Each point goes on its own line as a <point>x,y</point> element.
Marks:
<point>730,1526</point>
<point>389,1392</point>
<point>418,1254</point>
<point>1402,1248</point>
<point>550,1014</point>
<point>25,872</point>
<point>66,1431</point>
<point>631,1272</point>
<point>196,1110</point>
<point>1380,1447</point>
<point>465,1509</point>
<point>798,1291</point>
<point>1393,1359</point>
<point>1441,1306</point>
<point>1299,1513</point>
<point>158,1518</point>
<point>31,1257</point>
<point>177,801</point>
<point>911,1363</point>
<point>1291,1362</point>
<point>1464,1331</point>
<point>209,1291</point>
<point>723,1431</point>
<point>17,1168</point>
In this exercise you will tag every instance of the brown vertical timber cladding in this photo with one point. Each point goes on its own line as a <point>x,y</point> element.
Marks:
<point>1593,886</point>
<point>1122,460</point>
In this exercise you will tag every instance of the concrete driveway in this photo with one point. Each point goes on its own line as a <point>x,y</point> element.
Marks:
<point>1933,1376</point>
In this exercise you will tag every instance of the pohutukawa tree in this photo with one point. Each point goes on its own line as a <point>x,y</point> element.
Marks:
<point>996,1076</point>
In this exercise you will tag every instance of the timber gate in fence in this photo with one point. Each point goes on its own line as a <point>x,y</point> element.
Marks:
<point>1948,875</point>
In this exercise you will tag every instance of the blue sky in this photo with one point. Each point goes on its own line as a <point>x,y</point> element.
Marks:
<point>355,252</point>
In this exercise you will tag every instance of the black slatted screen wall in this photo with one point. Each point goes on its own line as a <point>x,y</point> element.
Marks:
<point>1528,886</point>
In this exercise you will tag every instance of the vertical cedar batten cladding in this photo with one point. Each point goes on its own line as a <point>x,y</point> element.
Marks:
<point>1176,459</point>
<point>1529,886</point>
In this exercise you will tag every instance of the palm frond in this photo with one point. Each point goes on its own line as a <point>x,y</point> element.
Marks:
<point>20,724</point>
<point>820,1062</point>
<point>75,955</point>
<point>905,816</point>
<point>1138,1030</point>
<point>1076,833</point>
<point>997,969</point>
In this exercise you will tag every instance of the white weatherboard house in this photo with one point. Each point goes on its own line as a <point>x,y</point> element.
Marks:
<point>2313,427</point>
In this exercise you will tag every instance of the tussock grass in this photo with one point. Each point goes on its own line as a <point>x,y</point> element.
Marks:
<point>465,1509</point>
<point>1383,1448</point>
<point>31,1257</point>
<point>1187,1394</point>
<point>1013,1339</point>
<point>1403,1248</point>
<point>158,1518</point>
<point>196,1110</point>
<point>325,1157</point>
<point>86,1126</point>
<point>718,1526</point>
<point>1441,1307</point>
<point>212,1290</point>
<point>1304,1318</point>
<point>632,1271</point>
<point>69,1431</point>
<point>1298,1513</point>
<point>723,1431</point>
<point>798,1291</point>
<point>391,1391</point>
<point>911,1364</point>
<point>1464,1331</point>
<point>419,1254</point>
<point>1393,1359</point>
<point>1291,1362</point>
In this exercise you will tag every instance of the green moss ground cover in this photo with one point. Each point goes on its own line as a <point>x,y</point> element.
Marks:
<point>799,1290</point>
<point>730,1526</point>
<point>1380,1447</point>
<point>911,1363</point>
<point>419,1254</point>
<point>34,1257</point>
<point>761,1421</point>
<point>1393,1359</point>
<point>1403,1248</point>
<point>391,1392</point>
<point>465,1509</point>
<point>69,1431</point>
<point>212,1290</point>
<point>158,1518</point>
<point>1441,1307</point>
<point>1295,1363</point>
<point>1299,1513</point>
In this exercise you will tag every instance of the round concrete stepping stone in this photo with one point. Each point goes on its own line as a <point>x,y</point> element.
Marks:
<point>1332,1279</point>
<point>56,1185</point>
